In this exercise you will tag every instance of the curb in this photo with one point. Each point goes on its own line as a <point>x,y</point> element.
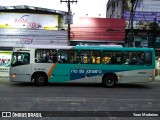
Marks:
<point>4,76</point>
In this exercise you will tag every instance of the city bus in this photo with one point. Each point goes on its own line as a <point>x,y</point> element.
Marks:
<point>86,64</point>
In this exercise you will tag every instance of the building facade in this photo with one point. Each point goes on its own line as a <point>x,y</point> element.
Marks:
<point>31,26</point>
<point>145,22</point>
<point>27,25</point>
<point>97,31</point>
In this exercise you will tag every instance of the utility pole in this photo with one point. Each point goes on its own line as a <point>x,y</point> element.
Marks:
<point>131,30</point>
<point>69,15</point>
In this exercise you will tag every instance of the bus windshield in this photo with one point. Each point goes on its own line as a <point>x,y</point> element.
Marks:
<point>20,58</point>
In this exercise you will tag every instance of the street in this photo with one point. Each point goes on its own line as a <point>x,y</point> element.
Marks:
<point>80,97</point>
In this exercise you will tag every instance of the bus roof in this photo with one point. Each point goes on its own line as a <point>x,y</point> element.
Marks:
<point>111,48</point>
<point>118,48</point>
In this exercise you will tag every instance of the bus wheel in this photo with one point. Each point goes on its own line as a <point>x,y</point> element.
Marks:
<point>40,80</point>
<point>109,81</point>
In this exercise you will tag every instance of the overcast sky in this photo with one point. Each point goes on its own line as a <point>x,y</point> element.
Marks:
<point>91,7</point>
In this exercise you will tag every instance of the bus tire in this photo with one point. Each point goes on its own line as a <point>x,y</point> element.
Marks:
<point>40,80</point>
<point>109,81</point>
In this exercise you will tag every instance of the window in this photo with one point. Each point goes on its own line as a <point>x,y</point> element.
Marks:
<point>148,58</point>
<point>110,57</point>
<point>46,56</point>
<point>68,56</point>
<point>85,57</point>
<point>134,58</point>
<point>95,57</point>
<point>90,57</point>
<point>20,59</point>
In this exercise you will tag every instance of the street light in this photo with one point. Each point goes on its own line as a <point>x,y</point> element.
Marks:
<point>99,15</point>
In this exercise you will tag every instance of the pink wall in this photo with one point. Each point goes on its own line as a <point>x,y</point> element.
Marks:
<point>102,29</point>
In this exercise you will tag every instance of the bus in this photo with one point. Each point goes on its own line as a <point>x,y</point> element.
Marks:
<point>90,64</point>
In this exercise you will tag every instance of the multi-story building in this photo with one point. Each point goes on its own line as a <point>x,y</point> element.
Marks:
<point>145,22</point>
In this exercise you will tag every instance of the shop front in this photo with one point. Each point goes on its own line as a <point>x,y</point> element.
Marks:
<point>5,60</point>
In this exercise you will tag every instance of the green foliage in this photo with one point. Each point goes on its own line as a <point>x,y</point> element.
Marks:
<point>153,26</point>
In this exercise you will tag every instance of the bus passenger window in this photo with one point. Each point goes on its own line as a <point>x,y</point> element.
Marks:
<point>46,56</point>
<point>54,58</point>
<point>63,58</point>
<point>95,57</point>
<point>85,56</point>
<point>68,56</point>
<point>73,56</point>
<point>140,59</point>
<point>130,58</point>
<point>134,58</point>
<point>148,58</point>
<point>111,57</point>
<point>106,56</point>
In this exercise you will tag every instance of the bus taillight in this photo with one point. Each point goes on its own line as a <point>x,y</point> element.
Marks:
<point>13,75</point>
<point>156,72</point>
<point>150,77</point>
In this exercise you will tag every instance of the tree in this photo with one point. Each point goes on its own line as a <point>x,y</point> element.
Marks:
<point>154,26</point>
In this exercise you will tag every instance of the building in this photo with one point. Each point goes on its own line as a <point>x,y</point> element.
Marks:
<point>27,25</point>
<point>145,22</point>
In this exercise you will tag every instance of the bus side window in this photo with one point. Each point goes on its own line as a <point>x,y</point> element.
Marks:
<point>148,58</point>
<point>134,58</point>
<point>113,59</point>
<point>54,58</point>
<point>140,58</point>
<point>130,58</point>
<point>45,55</point>
<point>85,56</point>
<point>116,58</point>
<point>95,57</point>
<point>73,56</point>
<point>68,56</point>
<point>106,56</point>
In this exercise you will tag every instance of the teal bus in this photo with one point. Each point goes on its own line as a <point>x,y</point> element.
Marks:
<point>108,65</point>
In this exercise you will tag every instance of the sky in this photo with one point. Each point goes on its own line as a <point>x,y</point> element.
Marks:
<point>83,8</point>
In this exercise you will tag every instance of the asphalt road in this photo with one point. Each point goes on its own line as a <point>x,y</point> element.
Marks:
<point>82,97</point>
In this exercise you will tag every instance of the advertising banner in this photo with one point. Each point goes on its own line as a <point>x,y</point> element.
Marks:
<point>28,21</point>
<point>5,60</point>
<point>146,11</point>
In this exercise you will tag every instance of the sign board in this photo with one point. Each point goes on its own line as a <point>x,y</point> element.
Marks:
<point>29,21</point>
<point>146,12</point>
<point>68,19</point>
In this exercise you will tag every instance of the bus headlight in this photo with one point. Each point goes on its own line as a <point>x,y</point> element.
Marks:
<point>13,75</point>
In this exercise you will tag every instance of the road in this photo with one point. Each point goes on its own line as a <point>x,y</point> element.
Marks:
<point>80,97</point>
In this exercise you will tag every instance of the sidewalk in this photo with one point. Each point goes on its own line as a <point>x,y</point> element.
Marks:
<point>157,77</point>
<point>4,75</point>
